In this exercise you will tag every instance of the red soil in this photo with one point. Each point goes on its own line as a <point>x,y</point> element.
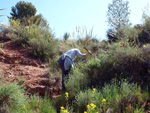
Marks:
<point>17,65</point>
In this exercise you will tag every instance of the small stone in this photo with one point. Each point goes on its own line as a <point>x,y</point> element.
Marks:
<point>11,75</point>
<point>42,66</point>
<point>2,52</point>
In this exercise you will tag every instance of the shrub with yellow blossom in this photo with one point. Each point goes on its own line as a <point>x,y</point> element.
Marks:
<point>103,106</point>
<point>90,108</point>
<point>104,100</point>
<point>94,90</point>
<point>67,95</point>
<point>122,44</point>
<point>63,110</point>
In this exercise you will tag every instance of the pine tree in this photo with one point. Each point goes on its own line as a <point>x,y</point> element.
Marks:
<point>23,10</point>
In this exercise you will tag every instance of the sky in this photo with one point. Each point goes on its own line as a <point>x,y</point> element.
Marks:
<point>65,15</point>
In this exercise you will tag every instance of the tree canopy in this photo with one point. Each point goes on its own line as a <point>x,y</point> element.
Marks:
<point>25,12</point>
<point>118,14</point>
<point>22,10</point>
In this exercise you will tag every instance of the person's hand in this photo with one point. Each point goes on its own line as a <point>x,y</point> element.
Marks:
<point>89,52</point>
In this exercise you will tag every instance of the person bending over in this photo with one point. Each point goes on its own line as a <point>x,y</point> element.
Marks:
<point>66,61</point>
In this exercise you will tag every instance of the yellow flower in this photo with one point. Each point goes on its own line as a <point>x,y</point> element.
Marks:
<point>24,107</point>
<point>94,90</point>
<point>144,46</point>
<point>92,106</point>
<point>85,112</point>
<point>66,94</point>
<point>65,111</point>
<point>104,100</point>
<point>62,108</point>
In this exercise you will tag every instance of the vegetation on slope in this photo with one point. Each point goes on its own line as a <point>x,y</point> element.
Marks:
<point>119,82</point>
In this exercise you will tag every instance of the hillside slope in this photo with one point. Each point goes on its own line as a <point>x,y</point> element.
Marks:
<point>17,65</point>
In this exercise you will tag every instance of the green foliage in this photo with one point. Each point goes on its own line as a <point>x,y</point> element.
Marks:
<point>66,36</point>
<point>40,41</point>
<point>53,67</point>
<point>118,92</point>
<point>128,57</point>
<point>84,39</point>
<point>119,60</point>
<point>33,103</point>
<point>130,35</point>
<point>43,45</point>
<point>13,97</point>
<point>86,97</point>
<point>25,13</point>
<point>22,10</point>
<point>144,36</point>
<point>46,106</point>
<point>37,20</point>
<point>77,81</point>
<point>38,104</point>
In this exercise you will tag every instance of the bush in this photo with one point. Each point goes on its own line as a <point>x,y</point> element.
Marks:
<point>43,47</point>
<point>131,35</point>
<point>76,82</point>
<point>40,41</point>
<point>144,36</point>
<point>46,106</point>
<point>54,71</point>
<point>13,97</point>
<point>122,93</point>
<point>38,104</point>
<point>121,61</point>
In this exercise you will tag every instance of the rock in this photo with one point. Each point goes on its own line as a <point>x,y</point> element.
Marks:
<point>42,66</point>
<point>2,52</point>
<point>2,58</point>
<point>11,75</point>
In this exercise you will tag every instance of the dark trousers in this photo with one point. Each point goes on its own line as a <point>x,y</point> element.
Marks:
<point>64,73</point>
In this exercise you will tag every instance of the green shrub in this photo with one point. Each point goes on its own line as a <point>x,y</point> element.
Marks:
<point>144,36</point>
<point>54,71</point>
<point>13,96</point>
<point>83,98</point>
<point>121,61</point>
<point>40,41</point>
<point>46,106</point>
<point>76,82</point>
<point>43,47</point>
<point>131,35</point>
<point>118,95</point>
<point>33,103</point>
<point>38,104</point>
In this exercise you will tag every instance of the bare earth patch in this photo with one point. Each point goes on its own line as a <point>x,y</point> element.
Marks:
<point>17,65</point>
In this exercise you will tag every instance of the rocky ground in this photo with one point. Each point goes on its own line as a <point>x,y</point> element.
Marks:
<point>17,65</point>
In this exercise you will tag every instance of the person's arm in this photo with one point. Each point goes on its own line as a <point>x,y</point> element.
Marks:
<point>83,55</point>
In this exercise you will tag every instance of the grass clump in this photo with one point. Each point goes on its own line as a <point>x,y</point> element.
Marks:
<point>12,97</point>
<point>37,104</point>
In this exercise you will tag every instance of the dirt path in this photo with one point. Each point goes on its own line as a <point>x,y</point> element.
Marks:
<point>17,65</point>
